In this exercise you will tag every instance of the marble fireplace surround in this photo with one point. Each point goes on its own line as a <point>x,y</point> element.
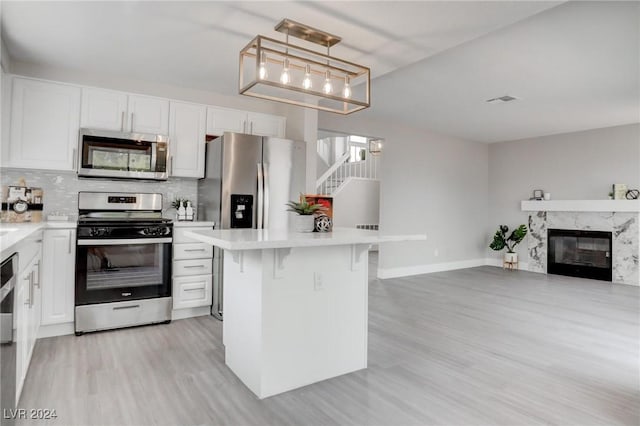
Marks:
<point>624,227</point>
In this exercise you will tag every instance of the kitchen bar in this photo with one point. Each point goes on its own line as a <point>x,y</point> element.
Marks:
<point>295,303</point>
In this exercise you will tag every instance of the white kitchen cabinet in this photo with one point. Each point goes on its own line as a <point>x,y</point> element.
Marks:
<point>28,300</point>
<point>58,277</point>
<point>45,120</point>
<point>122,112</point>
<point>220,120</point>
<point>103,109</point>
<point>192,270</point>
<point>187,134</point>
<point>148,115</point>
<point>6,116</point>
<point>266,125</point>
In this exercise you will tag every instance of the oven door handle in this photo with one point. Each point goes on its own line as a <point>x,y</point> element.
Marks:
<point>124,241</point>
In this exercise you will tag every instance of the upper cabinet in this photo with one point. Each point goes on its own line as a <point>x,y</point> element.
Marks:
<point>103,109</point>
<point>220,120</point>
<point>266,124</point>
<point>45,120</point>
<point>111,110</point>
<point>148,115</point>
<point>187,133</point>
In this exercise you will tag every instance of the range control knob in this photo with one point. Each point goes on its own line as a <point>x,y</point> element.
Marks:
<point>155,231</point>
<point>99,232</point>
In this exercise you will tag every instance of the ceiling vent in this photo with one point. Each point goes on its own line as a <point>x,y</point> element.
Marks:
<point>501,99</point>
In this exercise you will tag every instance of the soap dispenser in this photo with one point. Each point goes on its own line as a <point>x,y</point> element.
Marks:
<point>189,211</point>
<point>182,213</point>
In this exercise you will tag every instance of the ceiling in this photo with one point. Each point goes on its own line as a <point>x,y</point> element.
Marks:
<point>574,66</point>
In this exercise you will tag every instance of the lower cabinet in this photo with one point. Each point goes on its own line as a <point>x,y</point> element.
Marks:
<point>192,270</point>
<point>58,281</point>
<point>191,291</point>
<point>28,303</point>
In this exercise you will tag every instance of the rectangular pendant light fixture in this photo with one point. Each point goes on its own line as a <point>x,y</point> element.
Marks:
<point>283,72</point>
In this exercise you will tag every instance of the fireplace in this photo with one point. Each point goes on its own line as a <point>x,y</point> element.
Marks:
<point>585,254</point>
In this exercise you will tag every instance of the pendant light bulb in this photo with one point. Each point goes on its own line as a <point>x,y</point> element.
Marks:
<point>346,91</point>
<point>327,88</point>
<point>262,71</point>
<point>285,77</point>
<point>306,83</point>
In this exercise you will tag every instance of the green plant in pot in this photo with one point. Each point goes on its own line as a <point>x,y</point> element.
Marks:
<point>305,220</point>
<point>501,241</point>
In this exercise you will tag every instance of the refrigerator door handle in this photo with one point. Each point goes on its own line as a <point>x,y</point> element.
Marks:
<point>265,207</point>
<point>260,208</point>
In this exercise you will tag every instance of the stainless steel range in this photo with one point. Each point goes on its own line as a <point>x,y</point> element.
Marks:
<point>123,261</point>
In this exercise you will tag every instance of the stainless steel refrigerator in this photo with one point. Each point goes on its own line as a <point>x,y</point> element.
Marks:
<point>248,179</point>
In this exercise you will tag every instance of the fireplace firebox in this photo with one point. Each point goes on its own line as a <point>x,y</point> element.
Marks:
<point>584,254</point>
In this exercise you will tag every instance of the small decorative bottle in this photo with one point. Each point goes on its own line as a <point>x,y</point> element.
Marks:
<point>189,211</point>
<point>182,213</point>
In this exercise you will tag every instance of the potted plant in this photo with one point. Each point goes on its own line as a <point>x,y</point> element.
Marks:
<point>304,221</point>
<point>500,241</point>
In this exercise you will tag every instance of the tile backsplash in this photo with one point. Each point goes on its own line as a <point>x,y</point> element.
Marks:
<point>61,188</point>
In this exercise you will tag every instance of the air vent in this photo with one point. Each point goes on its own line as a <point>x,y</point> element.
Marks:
<point>501,99</point>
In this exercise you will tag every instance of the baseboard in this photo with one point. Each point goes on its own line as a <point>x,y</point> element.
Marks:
<point>53,330</point>
<point>178,314</point>
<point>405,271</point>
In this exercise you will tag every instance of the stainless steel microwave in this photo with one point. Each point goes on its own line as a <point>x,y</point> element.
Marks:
<point>103,153</point>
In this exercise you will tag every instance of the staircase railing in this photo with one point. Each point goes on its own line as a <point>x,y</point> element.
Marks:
<point>342,169</point>
<point>333,176</point>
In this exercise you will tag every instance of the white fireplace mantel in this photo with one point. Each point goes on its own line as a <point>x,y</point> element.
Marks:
<point>629,206</point>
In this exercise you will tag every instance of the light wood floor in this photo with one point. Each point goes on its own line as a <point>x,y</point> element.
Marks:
<point>480,346</point>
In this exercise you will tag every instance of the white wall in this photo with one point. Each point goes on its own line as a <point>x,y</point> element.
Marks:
<point>431,184</point>
<point>571,166</point>
<point>357,202</point>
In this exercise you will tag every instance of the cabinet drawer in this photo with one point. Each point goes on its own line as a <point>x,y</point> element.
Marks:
<point>192,251</point>
<point>191,292</point>
<point>192,267</point>
<point>179,237</point>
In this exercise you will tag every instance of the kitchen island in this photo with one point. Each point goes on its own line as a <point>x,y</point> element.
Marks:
<point>295,304</point>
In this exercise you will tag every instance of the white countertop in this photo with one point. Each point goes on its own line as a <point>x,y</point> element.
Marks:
<point>257,239</point>
<point>192,223</point>
<point>19,231</point>
<point>581,205</point>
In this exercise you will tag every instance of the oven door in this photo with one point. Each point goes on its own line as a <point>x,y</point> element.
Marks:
<point>122,269</point>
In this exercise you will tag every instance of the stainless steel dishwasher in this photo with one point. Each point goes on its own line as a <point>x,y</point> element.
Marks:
<point>7,332</point>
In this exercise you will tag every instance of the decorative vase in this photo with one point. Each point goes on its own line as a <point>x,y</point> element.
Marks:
<point>304,223</point>
<point>511,257</point>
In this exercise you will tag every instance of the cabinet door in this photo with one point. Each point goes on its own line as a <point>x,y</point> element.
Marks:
<point>22,325</point>
<point>148,115</point>
<point>58,276</point>
<point>6,117</point>
<point>266,125</point>
<point>191,292</point>
<point>103,109</point>
<point>187,133</point>
<point>220,120</point>
<point>45,120</point>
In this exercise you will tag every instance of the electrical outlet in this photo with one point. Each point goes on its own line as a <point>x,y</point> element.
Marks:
<point>317,281</point>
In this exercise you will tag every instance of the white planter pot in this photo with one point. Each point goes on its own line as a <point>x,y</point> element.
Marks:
<point>304,223</point>
<point>511,257</point>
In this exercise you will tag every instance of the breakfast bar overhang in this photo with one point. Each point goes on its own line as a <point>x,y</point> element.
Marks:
<point>295,304</point>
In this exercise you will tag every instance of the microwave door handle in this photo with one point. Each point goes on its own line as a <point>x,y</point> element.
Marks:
<point>154,157</point>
